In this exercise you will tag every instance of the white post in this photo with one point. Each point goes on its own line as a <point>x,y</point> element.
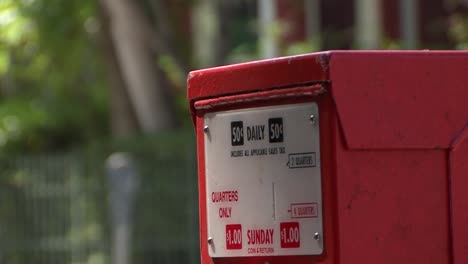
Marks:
<point>409,24</point>
<point>267,22</point>
<point>368,24</point>
<point>206,28</point>
<point>313,25</point>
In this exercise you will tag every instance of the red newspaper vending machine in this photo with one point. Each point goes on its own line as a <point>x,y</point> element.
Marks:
<point>334,157</point>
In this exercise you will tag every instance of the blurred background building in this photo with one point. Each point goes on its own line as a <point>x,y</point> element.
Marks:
<point>82,79</point>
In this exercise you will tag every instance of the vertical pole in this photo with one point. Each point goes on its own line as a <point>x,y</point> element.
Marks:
<point>409,24</point>
<point>121,246</point>
<point>75,212</point>
<point>368,14</point>
<point>313,22</point>
<point>123,184</point>
<point>206,27</point>
<point>268,38</point>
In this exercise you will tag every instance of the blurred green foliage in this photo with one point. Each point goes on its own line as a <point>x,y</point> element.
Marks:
<point>459,31</point>
<point>52,93</point>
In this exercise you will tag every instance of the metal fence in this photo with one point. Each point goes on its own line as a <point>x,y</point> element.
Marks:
<point>55,209</point>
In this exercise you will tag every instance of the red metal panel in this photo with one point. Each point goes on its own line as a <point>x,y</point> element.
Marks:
<point>240,99</point>
<point>256,76</point>
<point>459,196</point>
<point>392,206</point>
<point>205,258</point>
<point>402,100</point>
<point>327,121</point>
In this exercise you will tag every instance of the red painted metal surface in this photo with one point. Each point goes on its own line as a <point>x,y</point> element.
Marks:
<point>256,76</point>
<point>392,206</point>
<point>394,134</point>
<point>403,100</point>
<point>253,98</point>
<point>459,195</point>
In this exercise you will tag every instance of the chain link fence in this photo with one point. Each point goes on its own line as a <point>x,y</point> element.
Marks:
<point>54,208</point>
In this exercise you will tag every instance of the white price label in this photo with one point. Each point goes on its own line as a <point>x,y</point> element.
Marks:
<point>263,180</point>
